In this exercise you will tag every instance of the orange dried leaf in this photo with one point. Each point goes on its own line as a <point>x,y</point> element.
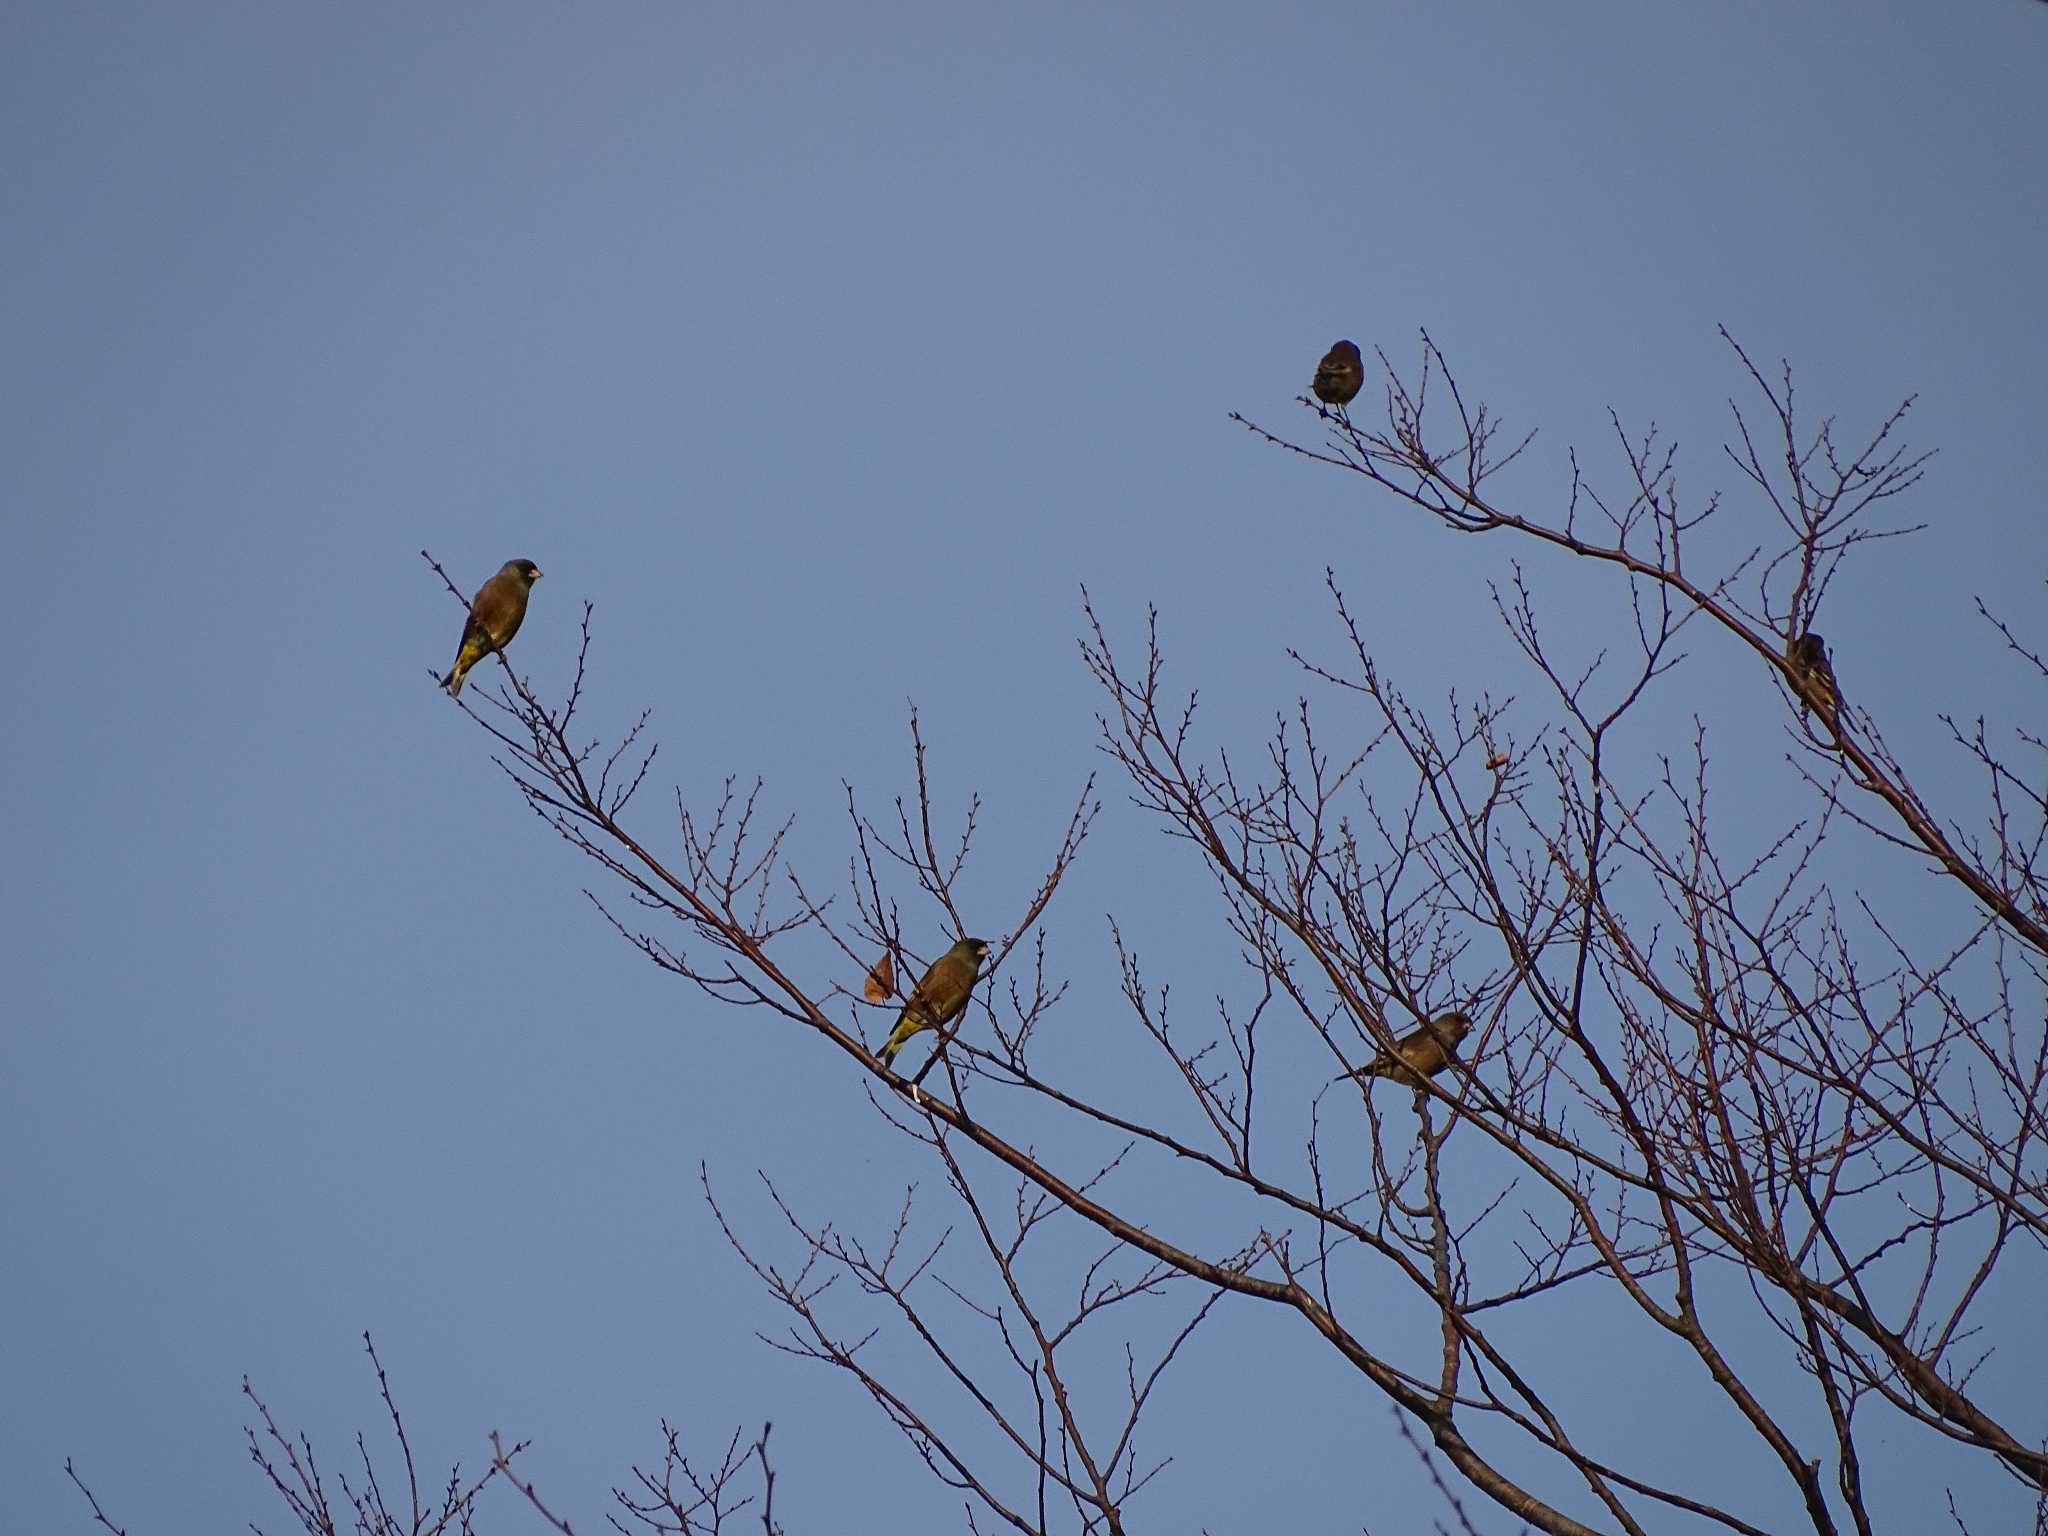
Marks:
<point>881,982</point>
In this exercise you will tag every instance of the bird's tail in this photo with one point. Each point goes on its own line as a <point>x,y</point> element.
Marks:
<point>898,1038</point>
<point>467,655</point>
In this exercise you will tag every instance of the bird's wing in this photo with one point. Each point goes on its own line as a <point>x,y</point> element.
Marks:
<point>498,608</point>
<point>923,1000</point>
<point>946,986</point>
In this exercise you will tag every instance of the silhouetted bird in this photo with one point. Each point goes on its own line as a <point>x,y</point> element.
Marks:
<point>495,614</point>
<point>1812,677</point>
<point>1340,375</point>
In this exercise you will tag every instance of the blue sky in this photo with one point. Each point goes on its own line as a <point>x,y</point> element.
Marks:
<point>828,352</point>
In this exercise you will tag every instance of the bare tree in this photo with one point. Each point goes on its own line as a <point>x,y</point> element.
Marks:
<point>382,1496</point>
<point>1708,1094</point>
<point>1702,1084</point>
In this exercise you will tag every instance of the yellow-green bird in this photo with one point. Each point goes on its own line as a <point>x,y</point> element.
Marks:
<point>1812,677</point>
<point>495,614</point>
<point>1420,1052</point>
<point>940,997</point>
<point>1340,375</point>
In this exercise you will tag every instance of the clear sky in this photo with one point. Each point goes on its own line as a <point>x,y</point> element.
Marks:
<point>828,349</point>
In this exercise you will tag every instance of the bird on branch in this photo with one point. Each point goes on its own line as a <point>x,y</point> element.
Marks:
<point>939,997</point>
<point>495,614</point>
<point>1340,375</point>
<point>1420,1053</point>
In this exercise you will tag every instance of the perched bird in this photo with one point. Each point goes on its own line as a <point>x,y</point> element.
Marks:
<point>1812,677</point>
<point>940,997</point>
<point>1427,1050</point>
<point>1340,375</point>
<point>495,614</point>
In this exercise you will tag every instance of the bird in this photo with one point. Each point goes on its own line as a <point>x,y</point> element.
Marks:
<point>940,997</point>
<point>1420,1052</point>
<point>495,614</point>
<point>1812,677</point>
<point>1340,375</point>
